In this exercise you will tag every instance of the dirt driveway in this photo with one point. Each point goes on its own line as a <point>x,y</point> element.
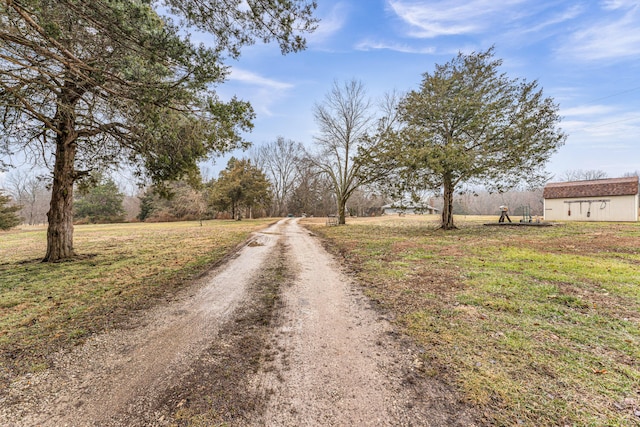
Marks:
<point>220,353</point>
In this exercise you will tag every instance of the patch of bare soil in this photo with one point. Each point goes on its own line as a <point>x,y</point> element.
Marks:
<point>278,336</point>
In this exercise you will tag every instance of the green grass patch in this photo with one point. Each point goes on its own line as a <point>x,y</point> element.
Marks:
<point>120,268</point>
<point>536,326</point>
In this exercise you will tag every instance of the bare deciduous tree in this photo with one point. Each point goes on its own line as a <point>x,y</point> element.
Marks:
<point>365,202</point>
<point>583,175</point>
<point>279,161</point>
<point>349,125</point>
<point>31,193</point>
<point>312,194</point>
<point>131,206</point>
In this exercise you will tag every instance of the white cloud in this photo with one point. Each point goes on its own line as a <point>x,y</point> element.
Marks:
<point>559,18</point>
<point>263,93</point>
<point>367,45</point>
<point>622,126</point>
<point>329,25</point>
<point>451,17</point>
<point>248,77</point>
<point>589,110</point>
<point>601,135</point>
<point>606,131</point>
<point>607,39</point>
<point>619,4</point>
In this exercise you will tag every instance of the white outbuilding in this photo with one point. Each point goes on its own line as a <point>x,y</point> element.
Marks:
<point>613,199</point>
<point>408,207</point>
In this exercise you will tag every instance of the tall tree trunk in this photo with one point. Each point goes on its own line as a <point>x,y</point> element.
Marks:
<point>447,209</point>
<point>60,215</point>
<point>341,211</point>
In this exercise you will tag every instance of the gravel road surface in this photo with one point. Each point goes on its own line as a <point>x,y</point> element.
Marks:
<point>330,359</point>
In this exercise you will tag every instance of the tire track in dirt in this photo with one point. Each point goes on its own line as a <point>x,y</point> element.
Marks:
<point>339,363</point>
<point>116,379</point>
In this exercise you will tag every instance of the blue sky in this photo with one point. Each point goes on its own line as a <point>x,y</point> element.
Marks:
<point>584,54</point>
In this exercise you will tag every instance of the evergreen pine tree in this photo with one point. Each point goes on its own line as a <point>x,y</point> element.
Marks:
<point>8,217</point>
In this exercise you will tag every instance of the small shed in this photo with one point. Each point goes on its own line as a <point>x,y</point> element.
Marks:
<point>613,199</point>
<point>408,207</point>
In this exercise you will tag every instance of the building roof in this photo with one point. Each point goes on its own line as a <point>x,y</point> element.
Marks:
<point>595,188</point>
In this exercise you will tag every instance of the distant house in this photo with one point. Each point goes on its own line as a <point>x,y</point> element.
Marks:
<point>408,207</point>
<point>598,200</point>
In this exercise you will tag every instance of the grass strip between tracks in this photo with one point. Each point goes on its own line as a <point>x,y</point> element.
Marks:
<point>219,390</point>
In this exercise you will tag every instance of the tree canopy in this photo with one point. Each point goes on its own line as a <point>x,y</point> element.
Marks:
<point>241,185</point>
<point>89,84</point>
<point>100,203</point>
<point>470,123</point>
<point>236,23</point>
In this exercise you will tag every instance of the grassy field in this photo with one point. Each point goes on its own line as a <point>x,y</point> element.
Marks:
<point>538,326</point>
<point>121,268</point>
